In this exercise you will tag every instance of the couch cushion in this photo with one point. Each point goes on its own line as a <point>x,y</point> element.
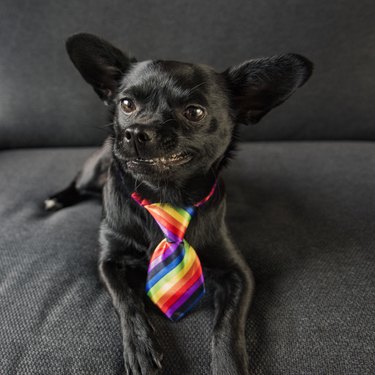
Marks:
<point>303,214</point>
<point>44,101</point>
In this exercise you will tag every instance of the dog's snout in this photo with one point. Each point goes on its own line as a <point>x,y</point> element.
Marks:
<point>139,135</point>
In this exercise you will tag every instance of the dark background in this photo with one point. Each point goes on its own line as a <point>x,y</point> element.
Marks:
<point>44,101</point>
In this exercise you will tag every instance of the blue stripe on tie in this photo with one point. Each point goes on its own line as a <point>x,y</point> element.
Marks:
<point>181,315</point>
<point>164,271</point>
<point>190,210</point>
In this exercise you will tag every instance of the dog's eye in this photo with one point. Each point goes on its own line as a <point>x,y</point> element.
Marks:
<point>128,105</point>
<point>193,113</point>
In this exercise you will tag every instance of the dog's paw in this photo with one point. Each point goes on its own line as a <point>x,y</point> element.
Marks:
<point>52,204</point>
<point>142,353</point>
<point>64,198</point>
<point>142,358</point>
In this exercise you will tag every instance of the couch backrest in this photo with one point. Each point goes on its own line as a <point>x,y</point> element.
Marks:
<point>44,102</point>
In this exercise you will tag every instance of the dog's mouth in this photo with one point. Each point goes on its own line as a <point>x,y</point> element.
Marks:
<point>163,162</point>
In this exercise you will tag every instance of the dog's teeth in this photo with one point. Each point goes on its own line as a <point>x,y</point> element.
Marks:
<point>164,160</point>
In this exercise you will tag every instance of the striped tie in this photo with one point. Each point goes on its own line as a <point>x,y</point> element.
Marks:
<point>175,281</point>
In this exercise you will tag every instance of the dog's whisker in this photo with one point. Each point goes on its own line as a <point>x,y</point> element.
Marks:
<point>193,89</point>
<point>110,124</point>
<point>137,185</point>
<point>166,121</point>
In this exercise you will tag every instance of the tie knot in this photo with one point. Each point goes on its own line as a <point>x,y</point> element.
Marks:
<point>173,221</point>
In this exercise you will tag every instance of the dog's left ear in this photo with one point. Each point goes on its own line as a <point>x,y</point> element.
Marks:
<point>256,86</point>
<point>100,63</point>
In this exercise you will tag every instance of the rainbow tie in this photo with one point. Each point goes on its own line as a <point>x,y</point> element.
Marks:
<point>175,281</point>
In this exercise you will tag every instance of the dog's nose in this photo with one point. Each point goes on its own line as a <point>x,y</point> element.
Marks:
<point>138,135</point>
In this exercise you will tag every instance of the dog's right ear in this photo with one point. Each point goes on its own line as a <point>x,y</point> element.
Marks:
<point>100,64</point>
<point>259,85</point>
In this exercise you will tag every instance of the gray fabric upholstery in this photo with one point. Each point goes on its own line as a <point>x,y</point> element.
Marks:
<point>303,213</point>
<point>44,102</point>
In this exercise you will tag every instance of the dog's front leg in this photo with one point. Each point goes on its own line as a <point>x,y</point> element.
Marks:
<point>141,353</point>
<point>232,297</point>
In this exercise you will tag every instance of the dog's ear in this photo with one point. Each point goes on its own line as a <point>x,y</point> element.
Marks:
<point>100,64</point>
<point>256,86</point>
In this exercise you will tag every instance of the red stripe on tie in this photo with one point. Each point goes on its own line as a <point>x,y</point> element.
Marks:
<point>139,199</point>
<point>160,212</point>
<point>160,249</point>
<point>188,280</point>
<point>165,220</point>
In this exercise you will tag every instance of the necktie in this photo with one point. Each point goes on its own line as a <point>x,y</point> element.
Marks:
<point>175,281</point>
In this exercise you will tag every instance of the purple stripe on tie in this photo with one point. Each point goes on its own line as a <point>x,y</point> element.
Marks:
<point>171,249</point>
<point>184,297</point>
<point>170,235</point>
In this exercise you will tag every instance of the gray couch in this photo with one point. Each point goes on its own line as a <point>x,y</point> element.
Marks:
<point>301,192</point>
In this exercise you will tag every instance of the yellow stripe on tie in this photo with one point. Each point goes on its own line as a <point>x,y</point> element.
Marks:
<point>173,277</point>
<point>182,217</point>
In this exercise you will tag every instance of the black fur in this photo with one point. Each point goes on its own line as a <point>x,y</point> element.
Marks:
<point>161,91</point>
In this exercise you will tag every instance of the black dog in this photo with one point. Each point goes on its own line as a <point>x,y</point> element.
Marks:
<point>174,128</point>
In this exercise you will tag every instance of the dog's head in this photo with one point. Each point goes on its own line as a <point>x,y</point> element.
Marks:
<point>173,120</point>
